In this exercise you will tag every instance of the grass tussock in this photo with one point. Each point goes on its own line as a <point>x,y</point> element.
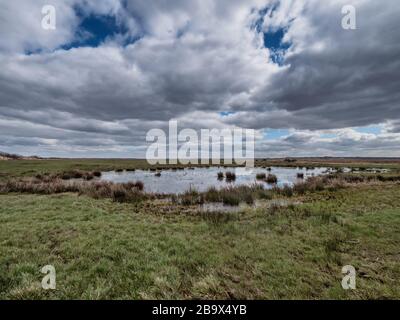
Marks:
<point>231,195</point>
<point>191,197</point>
<point>97,174</point>
<point>234,195</point>
<point>286,191</point>
<point>261,176</point>
<point>230,176</point>
<point>271,179</point>
<point>300,175</point>
<point>118,192</point>
<point>217,218</point>
<point>77,174</point>
<point>331,182</point>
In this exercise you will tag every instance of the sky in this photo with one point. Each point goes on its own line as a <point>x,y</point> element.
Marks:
<point>114,69</point>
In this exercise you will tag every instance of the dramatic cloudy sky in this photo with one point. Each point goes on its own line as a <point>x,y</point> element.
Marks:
<point>114,69</point>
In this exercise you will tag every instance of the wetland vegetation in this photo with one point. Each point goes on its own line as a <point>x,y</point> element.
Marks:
<point>111,240</point>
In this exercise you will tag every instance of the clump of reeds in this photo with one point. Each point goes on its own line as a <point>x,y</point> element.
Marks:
<point>89,177</point>
<point>264,194</point>
<point>230,199</point>
<point>261,176</point>
<point>133,191</point>
<point>271,179</point>
<point>138,185</point>
<point>218,217</point>
<point>273,209</point>
<point>191,197</point>
<point>71,174</point>
<point>67,175</point>
<point>313,184</point>
<point>230,176</point>
<point>300,175</point>
<point>331,182</point>
<point>286,191</point>
<point>121,192</point>
<point>126,192</point>
<point>233,195</point>
<point>212,195</point>
<point>37,186</point>
<point>97,174</point>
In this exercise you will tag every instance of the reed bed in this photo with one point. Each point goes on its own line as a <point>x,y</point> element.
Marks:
<point>84,183</point>
<point>119,192</point>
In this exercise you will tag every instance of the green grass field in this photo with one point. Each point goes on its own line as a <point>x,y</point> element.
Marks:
<point>156,249</point>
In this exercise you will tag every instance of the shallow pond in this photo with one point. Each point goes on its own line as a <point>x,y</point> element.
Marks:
<point>201,179</point>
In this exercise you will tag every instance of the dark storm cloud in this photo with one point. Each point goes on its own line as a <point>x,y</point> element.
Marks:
<point>394,127</point>
<point>339,78</point>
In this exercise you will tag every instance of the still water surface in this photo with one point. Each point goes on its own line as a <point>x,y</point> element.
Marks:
<point>200,179</point>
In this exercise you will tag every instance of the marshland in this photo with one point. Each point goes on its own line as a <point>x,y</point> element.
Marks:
<point>122,229</point>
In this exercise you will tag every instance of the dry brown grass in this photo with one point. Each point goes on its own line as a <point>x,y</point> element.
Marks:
<point>261,176</point>
<point>271,179</point>
<point>86,184</point>
<point>122,192</point>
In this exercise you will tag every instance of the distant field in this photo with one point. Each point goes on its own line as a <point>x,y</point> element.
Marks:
<point>156,248</point>
<point>32,167</point>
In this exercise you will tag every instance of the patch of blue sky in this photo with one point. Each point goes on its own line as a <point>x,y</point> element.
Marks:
<point>272,37</point>
<point>375,129</point>
<point>226,113</point>
<point>328,136</point>
<point>94,30</point>
<point>273,134</point>
<point>273,40</point>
